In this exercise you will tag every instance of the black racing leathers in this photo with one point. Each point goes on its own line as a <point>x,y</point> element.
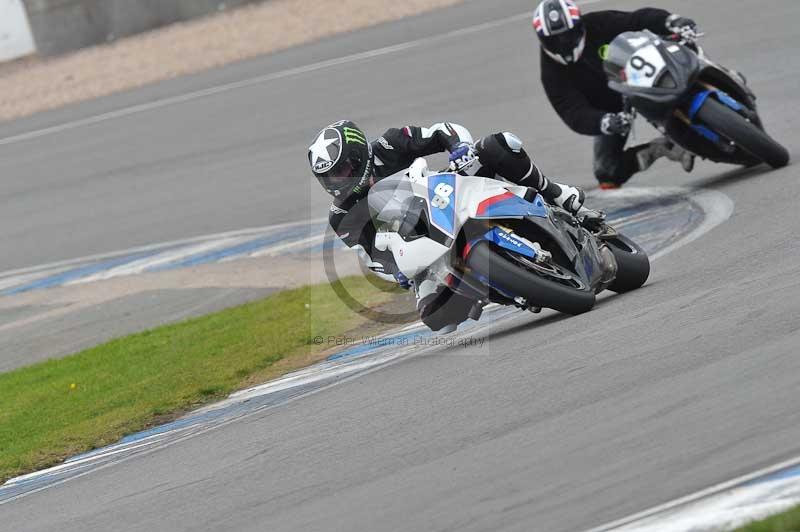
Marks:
<point>579,92</point>
<point>393,152</point>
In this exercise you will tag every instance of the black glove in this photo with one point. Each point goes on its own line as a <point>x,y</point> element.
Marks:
<point>683,26</point>
<point>616,124</point>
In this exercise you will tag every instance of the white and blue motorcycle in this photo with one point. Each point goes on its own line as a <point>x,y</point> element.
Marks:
<point>491,241</point>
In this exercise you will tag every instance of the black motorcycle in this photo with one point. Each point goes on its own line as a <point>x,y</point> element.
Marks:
<point>705,108</point>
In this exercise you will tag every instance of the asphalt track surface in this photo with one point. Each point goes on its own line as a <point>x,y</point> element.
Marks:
<point>555,424</point>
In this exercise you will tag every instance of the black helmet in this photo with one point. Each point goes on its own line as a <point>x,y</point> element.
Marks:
<point>560,29</point>
<point>341,158</point>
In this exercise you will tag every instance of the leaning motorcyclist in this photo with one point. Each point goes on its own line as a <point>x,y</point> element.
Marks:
<point>347,164</point>
<point>573,48</point>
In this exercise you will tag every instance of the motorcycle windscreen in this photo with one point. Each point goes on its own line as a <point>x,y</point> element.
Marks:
<point>634,59</point>
<point>390,198</point>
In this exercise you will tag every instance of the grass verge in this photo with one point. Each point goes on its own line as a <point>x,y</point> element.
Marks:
<point>785,522</point>
<point>55,409</point>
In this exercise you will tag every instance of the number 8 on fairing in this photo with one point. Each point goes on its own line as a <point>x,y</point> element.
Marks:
<point>443,192</point>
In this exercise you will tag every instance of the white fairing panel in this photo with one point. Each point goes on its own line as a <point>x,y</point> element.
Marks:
<point>16,38</point>
<point>413,257</point>
<point>477,189</point>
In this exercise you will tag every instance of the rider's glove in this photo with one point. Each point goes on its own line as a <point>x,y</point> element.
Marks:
<point>616,124</point>
<point>402,280</point>
<point>571,199</point>
<point>683,26</point>
<point>462,157</point>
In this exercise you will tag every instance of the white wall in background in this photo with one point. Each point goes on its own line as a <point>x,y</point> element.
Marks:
<point>16,39</point>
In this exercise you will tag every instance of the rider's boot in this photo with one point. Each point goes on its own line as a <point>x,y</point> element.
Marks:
<point>568,198</point>
<point>662,147</point>
<point>476,311</point>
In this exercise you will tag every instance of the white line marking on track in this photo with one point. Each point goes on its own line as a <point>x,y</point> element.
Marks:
<point>694,497</point>
<point>717,207</point>
<point>65,264</point>
<point>227,87</point>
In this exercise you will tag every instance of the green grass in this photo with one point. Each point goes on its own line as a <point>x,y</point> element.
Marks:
<point>58,408</point>
<point>785,522</point>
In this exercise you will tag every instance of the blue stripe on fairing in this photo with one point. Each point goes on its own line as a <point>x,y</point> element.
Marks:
<point>515,206</point>
<point>722,96</point>
<point>444,219</point>
<point>726,98</point>
<point>707,133</point>
<point>698,102</point>
<point>509,241</point>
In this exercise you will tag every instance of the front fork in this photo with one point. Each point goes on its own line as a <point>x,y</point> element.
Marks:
<point>697,102</point>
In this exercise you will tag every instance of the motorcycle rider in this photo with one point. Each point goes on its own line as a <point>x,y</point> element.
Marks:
<point>573,47</point>
<point>347,164</point>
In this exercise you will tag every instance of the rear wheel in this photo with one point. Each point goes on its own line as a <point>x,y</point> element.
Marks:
<point>539,287</point>
<point>747,135</point>
<point>633,265</point>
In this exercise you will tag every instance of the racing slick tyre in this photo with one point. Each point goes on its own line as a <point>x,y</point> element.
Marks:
<point>633,265</point>
<point>527,283</point>
<point>733,126</point>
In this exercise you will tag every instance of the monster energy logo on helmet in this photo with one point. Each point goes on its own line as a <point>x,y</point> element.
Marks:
<point>354,136</point>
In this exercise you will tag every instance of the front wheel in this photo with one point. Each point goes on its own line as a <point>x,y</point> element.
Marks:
<point>733,126</point>
<point>485,261</point>
<point>633,265</point>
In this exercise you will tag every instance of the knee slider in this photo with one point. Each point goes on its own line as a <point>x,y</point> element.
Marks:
<point>513,142</point>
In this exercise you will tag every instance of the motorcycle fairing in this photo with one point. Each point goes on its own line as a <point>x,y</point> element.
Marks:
<point>411,257</point>
<point>669,77</point>
<point>701,97</point>
<point>465,199</point>
<point>442,217</point>
<point>697,103</point>
<point>510,241</point>
<point>508,205</point>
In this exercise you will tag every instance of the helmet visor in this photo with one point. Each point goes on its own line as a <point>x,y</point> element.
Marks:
<point>338,177</point>
<point>343,175</point>
<point>564,44</point>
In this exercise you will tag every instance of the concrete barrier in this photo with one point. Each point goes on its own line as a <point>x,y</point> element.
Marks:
<point>16,39</point>
<point>63,25</point>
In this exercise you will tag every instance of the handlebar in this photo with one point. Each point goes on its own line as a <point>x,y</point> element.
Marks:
<point>688,39</point>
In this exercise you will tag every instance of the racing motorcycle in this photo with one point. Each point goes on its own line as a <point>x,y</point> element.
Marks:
<point>705,108</point>
<point>496,242</point>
